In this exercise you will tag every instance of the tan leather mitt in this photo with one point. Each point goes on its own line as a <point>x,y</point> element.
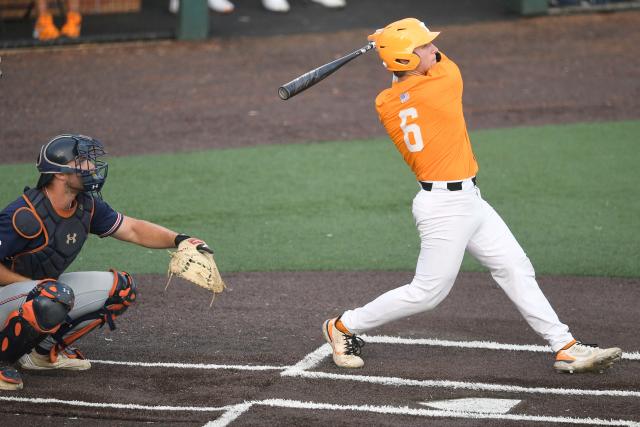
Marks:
<point>194,262</point>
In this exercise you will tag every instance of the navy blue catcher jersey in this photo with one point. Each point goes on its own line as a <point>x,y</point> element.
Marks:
<point>104,222</point>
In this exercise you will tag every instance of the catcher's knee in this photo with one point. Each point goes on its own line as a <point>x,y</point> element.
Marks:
<point>44,310</point>
<point>122,294</point>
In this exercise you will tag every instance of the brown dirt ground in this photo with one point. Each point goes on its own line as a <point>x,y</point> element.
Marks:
<point>275,320</point>
<point>159,97</point>
<point>168,96</point>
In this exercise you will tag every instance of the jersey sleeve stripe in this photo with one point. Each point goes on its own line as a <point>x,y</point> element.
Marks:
<point>114,227</point>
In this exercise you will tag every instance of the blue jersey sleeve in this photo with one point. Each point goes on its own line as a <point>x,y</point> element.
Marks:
<point>105,220</point>
<point>11,243</point>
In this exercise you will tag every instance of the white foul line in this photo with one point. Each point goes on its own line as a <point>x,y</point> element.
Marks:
<point>395,381</point>
<point>192,365</point>
<point>313,359</point>
<point>234,411</point>
<point>41,400</point>
<point>230,416</point>
<point>283,403</point>
<point>487,345</point>
<point>310,361</point>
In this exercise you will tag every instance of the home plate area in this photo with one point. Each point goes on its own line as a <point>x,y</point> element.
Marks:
<point>258,358</point>
<point>403,391</point>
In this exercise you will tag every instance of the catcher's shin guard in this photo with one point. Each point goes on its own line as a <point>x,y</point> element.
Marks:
<point>121,296</point>
<point>42,313</point>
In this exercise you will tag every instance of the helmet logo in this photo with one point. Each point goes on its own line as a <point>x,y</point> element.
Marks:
<point>71,238</point>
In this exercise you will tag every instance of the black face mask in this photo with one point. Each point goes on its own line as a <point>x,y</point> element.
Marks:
<point>63,149</point>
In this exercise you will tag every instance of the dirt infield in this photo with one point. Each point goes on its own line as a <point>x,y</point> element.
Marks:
<point>272,322</point>
<point>162,97</point>
<point>256,358</point>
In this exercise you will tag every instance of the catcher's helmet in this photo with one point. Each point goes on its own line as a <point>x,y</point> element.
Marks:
<point>56,155</point>
<point>395,43</point>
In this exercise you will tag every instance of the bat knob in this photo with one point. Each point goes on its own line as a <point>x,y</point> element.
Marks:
<point>283,93</point>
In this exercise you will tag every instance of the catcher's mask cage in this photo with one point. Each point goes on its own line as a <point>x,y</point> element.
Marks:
<point>84,151</point>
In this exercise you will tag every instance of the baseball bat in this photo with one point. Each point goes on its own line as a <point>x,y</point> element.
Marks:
<point>316,75</point>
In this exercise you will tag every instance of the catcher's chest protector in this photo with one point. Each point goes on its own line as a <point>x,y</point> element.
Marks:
<point>62,238</point>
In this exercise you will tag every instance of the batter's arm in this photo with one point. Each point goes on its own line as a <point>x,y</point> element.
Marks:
<point>145,233</point>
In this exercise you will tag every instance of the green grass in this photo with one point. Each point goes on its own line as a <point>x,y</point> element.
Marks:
<point>569,194</point>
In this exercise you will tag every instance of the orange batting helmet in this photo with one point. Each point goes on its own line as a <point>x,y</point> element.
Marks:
<point>395,43</point>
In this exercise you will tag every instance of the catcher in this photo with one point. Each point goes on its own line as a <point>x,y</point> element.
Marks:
<point>44,310</point>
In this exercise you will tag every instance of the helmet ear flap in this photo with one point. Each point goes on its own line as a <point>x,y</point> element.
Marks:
<point>406,62</point>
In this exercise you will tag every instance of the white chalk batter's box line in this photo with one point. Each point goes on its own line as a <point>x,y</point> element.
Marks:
<point>313,359</point>
<point>378,339</point>
<point>303,369</point>
<point>231,412</point>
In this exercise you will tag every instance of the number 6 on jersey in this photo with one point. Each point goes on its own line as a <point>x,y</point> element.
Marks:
<point>413,128</point>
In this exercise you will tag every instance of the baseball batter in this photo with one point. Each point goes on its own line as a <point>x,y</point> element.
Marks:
<point>42,309</point>
<point>422,113</point>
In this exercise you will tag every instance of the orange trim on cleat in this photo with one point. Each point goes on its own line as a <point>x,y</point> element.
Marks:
<point>562,356</point>
<point>578,357</point>
<point>569,345</point>
<point>10,379</point>
<point>340,326</point>
<point>345,346</point>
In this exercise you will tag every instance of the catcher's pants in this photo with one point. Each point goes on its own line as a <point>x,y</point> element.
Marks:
<point>91,290</point>
<point>450,222</point>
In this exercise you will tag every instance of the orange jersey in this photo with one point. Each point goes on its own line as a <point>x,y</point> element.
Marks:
<point>423,117</point>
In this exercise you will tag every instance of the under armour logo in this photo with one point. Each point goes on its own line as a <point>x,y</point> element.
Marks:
<point>71,238</point>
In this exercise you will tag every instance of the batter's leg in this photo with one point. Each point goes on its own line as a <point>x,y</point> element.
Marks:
<point>445,222</point>
<point>495,247</point>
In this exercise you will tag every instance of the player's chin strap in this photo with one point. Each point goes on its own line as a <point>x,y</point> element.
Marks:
<point>121,296</point>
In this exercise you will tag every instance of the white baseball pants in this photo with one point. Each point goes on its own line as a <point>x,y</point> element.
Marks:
<point>448,223</point>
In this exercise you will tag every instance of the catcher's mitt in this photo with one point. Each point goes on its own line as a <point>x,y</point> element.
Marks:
<point>194,262</point>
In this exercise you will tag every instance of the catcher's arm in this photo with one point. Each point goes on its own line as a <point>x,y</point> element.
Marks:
<point>145,233</point>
